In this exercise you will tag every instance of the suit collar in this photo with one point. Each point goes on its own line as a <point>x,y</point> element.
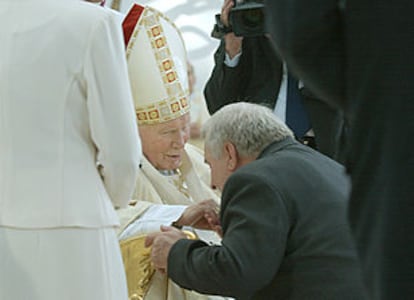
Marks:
<point>277,146</point>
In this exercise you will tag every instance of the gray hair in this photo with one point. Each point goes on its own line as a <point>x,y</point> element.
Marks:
<point>250,127</point>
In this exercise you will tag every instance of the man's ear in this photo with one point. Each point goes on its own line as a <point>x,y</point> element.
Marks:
<point>232,156</point>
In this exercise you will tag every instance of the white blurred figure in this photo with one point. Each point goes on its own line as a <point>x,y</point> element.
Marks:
<point>65,104</point>
<point>198,113</point>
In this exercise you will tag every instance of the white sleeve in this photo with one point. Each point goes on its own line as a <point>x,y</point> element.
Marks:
<point>111,111</point>
<point>232,62</point>
<point>152,219</point>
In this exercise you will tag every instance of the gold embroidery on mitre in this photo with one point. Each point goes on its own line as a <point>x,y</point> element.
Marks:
<point>142,116</point>
<point>163,111</point>
<point>175,107</point>
<point>155,31</point>
<point>159,42</point>
<point>184,102</point>
<point>171,77</point>
<point>167,65</point>
<point>154,114</point>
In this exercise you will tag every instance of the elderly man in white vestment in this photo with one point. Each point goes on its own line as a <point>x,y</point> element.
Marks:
<point>172,173</point>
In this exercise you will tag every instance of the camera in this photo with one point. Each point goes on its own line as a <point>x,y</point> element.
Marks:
<point>246,18</point>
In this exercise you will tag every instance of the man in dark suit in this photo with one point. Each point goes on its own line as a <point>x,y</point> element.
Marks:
<point>249,69</point>
<point>283,217</point>
<point>358,57</point>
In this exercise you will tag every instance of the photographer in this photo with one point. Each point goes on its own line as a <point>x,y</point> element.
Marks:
<point>248,69</point>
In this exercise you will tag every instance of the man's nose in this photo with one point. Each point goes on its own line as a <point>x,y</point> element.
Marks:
<point>181,138</point>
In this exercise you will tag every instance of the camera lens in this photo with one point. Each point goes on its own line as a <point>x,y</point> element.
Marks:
<point>248,19</point>
<point>253,18</point>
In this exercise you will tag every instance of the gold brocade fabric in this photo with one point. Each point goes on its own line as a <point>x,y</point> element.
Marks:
<point>138,267</point>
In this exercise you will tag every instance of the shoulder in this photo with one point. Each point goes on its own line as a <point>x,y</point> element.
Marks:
<point>116,15</point>
<point>144,187</point>
<point>293,165</point>
<point>82,14</point>
<point>256,174</point>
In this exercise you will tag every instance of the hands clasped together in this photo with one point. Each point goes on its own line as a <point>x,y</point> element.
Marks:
<point>203,215</point>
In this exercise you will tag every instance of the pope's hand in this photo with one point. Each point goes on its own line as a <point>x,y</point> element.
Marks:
<point>196,215</point>
<point>161,243</point>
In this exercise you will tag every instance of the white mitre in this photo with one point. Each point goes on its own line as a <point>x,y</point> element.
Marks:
<point>157,64</point>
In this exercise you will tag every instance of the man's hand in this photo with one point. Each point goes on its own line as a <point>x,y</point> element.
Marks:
<point>161,243</point>
<point>214,223</point>
<point>200,215</point>
<point>233,43</point>
<point>225,10</point>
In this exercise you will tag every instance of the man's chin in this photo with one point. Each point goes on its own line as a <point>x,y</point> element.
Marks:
<point>173,166</point>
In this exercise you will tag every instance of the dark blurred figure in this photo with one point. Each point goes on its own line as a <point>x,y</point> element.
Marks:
<point>357,56</point>
<point>248,69</point>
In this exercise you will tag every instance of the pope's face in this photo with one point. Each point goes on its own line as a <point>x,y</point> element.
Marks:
<point>163,144</point>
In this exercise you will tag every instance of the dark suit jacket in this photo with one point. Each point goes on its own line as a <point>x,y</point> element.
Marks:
<point>257,79</point>
<point>361,61</point>
<point>285,233</point>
